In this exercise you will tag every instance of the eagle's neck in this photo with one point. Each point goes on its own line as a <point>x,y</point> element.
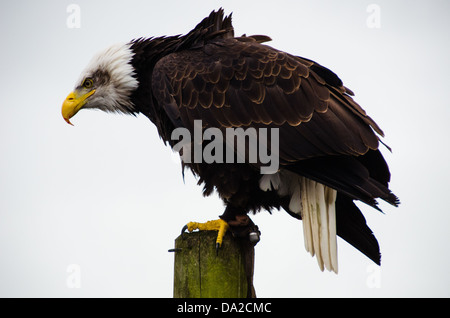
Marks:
<point>146,53</point>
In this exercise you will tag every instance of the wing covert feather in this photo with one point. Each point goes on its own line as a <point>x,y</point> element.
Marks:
<point>235,83</point>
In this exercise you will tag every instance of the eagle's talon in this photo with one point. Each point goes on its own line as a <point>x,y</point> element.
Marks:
<point>183,230</point>
<point>217,225</point>
<point>218,246</point>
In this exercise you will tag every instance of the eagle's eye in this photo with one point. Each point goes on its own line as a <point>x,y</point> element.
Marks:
<point>88,83</point>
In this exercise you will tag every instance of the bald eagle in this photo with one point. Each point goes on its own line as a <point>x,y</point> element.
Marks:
<point>327,146</point>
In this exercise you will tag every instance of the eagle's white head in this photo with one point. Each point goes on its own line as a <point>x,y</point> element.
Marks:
<point>106,83</point>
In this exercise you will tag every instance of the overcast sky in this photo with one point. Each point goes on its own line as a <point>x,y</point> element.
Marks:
<point>104,200</point>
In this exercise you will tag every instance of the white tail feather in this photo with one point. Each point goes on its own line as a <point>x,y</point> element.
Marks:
<point>315,203</point>
<point>319,223</point>
<point>330,198</point>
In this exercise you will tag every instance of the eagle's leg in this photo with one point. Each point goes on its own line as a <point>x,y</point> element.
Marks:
<point>234,220</point>
<point>240,223</point>
<point>216,225</point>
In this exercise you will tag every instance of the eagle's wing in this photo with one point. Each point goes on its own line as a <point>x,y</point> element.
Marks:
<point>239,82</point>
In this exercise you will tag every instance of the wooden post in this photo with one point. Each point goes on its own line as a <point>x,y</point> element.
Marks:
<point>202,272</point>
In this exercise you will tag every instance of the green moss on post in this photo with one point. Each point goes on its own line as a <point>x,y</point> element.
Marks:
<point>200,272</point>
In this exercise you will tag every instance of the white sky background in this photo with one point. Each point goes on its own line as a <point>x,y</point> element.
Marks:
<point>106,195</point>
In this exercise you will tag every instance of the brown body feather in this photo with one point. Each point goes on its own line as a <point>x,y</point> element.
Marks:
<point>239,82</point>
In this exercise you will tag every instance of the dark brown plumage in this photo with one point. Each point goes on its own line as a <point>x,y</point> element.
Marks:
<point>227,81</point>
<point>240,82</point>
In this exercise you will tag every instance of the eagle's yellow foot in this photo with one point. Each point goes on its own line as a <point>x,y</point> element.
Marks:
<point>215,225</point>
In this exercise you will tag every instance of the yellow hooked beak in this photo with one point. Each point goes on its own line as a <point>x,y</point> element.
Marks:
<point>73,104</point>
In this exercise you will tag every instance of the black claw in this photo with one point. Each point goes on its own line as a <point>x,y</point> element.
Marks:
<point>217,249</point>
<point>183,230</point>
